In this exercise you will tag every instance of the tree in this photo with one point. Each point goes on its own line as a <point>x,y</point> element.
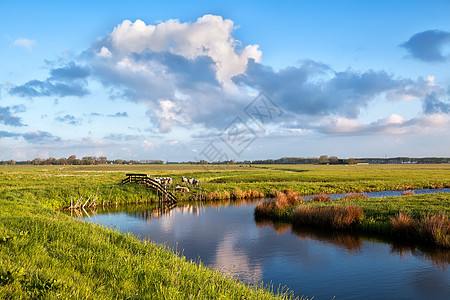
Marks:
<point>323,159</point>
<point>61,161</point>
<point>72,160</point>
<point>50,161</point>
<point>37,161</point>
<point>88,160</point>
<point>352,161</point>
<point>334,160</point>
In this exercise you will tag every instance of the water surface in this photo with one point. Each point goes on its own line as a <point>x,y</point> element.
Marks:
<point>310,262</point>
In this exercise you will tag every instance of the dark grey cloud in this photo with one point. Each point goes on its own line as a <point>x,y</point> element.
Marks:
<point>71,71</point>
<point>66,81</point>
<point>186,72</point>
<point>150,76</point>
<point>432,105</point>
<point>315,89</point>
<point>69,119</point>
<point>38,137</point>
<point>119,115</point>
<point>428,45</point>
<point>7,116</point>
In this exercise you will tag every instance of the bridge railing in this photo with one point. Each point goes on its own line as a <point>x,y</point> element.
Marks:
<point>149,182</point>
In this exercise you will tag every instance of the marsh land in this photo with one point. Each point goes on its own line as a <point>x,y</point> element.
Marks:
<point>45,253</point>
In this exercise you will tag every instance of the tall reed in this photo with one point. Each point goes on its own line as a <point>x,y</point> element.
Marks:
<point>435,229</point>
<point>338,217</point>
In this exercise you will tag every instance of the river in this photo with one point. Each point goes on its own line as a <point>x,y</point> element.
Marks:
<point>308,261</point>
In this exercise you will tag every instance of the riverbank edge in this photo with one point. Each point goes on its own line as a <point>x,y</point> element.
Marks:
<point>427,229</point>
<point>46,254</point>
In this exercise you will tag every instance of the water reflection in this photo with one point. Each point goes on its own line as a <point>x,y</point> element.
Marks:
<point>353,242</point>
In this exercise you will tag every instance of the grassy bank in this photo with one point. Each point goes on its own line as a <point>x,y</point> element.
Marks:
<point>46,254</point>
<point>422,218</point>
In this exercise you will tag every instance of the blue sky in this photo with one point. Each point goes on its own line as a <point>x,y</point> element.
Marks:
<point>176,81</point>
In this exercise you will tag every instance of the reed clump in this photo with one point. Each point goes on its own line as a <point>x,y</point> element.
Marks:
<point>431,229</point>
<point>403,225</point>
<point>337,217</point>
<point>321,198</point>
<point>408,193</point>
<point>279,206</point>
<point>435,229</point>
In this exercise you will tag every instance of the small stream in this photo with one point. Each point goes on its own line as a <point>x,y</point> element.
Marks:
<point>308,261</point>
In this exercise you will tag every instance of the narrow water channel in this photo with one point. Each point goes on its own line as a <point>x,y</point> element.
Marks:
<point>311,262</point>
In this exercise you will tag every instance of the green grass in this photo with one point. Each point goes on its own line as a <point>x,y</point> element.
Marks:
<point>54,186</point>
<point>382,209</point>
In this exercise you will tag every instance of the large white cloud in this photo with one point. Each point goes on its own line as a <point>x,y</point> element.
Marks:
<point>209,36</point>
<point>188,66</point>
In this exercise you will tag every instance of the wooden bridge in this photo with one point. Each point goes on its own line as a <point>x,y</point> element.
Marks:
<point>166,196</point>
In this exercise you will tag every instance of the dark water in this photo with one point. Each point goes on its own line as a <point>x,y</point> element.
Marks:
<point>310,262</point>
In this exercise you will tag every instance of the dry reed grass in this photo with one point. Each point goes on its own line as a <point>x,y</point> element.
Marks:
<point>321,198</point>
<point>280,204</point>
<point>408,193</point>
<point>431,229</point>
<point>403,225</point>
<point>435,229</point>
<point>338,217</point>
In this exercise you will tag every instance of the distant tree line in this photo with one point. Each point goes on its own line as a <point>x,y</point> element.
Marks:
<point>73,160</point>
<point>334,160</point>
<point>330,160</point>
<point>323,159</point>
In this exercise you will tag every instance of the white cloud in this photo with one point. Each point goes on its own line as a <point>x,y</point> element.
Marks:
<point>392,125</point>
<point>104,52</point>
<point>146,145</point>
<point>25,43</point>
<point>342,125</point>
<point>209,36</point>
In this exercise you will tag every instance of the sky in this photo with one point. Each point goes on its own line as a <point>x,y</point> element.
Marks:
<point>221,80</point>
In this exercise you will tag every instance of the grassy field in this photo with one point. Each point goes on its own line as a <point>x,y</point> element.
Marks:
<point>55,186</point>
<point>46,254</point>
